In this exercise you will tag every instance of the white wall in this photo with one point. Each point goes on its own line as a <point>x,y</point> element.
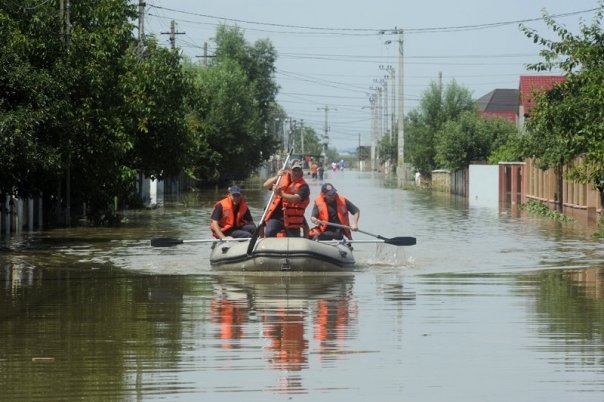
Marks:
<point>484,185</point>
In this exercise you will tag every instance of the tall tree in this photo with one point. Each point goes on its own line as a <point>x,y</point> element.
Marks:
<point>154,90</point>
<point>31,98</point>
<point>437,106</point>
<point>470,138</point>
<point>565,127</point>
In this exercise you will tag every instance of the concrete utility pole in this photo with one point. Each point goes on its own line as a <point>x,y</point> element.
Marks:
<point>400,166</point>
<point>326,135</point>
<point>302,134</point>
<point>140,47</point>
<point>372,101</point>
<point>173,34</point>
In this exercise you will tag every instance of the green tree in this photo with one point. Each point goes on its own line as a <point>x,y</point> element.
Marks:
<point>154,87</point>
<point>567,121</point>
<point>470,138</point>
<point>31,98</point>
<point>231,109</point>
<point>97,144</point>
<point>437,106</point>
<point>226,121</point>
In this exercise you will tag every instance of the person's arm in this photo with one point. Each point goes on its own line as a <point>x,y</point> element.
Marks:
<point>288,197</point>
<point>214,218</point>
<point>270,182</point>
<point>355,213</point>
<point>216,229</point>
<point>314,216</point>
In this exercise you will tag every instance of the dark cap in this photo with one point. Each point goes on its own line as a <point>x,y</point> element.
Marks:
<point>234,190</point>
<point>296,164</point>
<point>328,189</point>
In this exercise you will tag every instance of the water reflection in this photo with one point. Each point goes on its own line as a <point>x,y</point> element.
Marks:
<point>299,314</point>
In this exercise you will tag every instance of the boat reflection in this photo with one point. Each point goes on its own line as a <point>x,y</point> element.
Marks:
<point>301,316</point>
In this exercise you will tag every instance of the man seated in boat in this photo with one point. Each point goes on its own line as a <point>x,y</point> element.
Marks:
<point>332,207</point>
<point>291,197</point>
<point>231,216</point>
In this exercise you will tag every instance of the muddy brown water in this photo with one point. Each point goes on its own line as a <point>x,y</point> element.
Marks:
<point>490,305</point>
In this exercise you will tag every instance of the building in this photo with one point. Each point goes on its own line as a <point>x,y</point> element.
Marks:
<point>500,103</point>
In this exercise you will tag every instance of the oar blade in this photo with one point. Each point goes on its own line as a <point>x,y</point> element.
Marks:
<point>165,242</point>
<point>400,241</point>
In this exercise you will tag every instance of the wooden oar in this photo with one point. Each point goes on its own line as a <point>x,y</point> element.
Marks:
<point>250,246</point>
<point>395,241</point>
<point>169,242</point>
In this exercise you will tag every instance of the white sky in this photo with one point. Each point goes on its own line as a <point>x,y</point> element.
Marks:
<point>330,51</point>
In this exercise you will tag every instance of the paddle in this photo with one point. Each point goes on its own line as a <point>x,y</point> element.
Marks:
<point>395,241</point>
<point>254,237</point>
<point>168,242</point>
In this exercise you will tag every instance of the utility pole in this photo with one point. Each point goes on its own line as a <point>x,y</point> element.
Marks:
<point>302,135</point>
<point>140,47</point>
<point>173,34</point>
<point>400,166</point>
<point>326,135</point>
<point>372,101</point>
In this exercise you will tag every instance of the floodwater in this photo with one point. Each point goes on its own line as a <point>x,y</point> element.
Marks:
<point>490,305</point>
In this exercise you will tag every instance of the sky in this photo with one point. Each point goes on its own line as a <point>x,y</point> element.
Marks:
<point>335,54</point>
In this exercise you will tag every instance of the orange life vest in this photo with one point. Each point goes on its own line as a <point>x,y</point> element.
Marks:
<point>293,212</point>
<point>283,184</point>
<point>341,210</point>
<point>229,220</point>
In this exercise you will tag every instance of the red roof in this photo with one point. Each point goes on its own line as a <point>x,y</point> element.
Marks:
<point>533,84</point>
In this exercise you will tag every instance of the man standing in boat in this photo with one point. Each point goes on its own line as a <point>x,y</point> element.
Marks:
<point>292,196</point>
<point>333,207</point>
<point>231,216</point>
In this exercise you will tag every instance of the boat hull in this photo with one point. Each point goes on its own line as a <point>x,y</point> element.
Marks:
<point>282,254</point>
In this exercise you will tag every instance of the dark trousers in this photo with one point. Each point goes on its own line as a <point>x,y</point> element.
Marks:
<point>242,232</point>
<point>274,226</point>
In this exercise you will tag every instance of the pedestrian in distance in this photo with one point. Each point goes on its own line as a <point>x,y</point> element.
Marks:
<point>231,217</point>
<point>291,197</point>
<point>332,207</point>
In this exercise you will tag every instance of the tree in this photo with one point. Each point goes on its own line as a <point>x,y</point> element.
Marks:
<point>231,107</point>
<point>97,145</point>
<point>226,122</point>
<point>154,88</point>
<point>470,138</point>
<point>436,107</point>
<point>565,127</point>
<point>31,98</point>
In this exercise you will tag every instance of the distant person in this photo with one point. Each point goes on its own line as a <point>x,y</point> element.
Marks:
<point>314,168</point>
<point>291,197</point>
<point>334,166</point>
<point>341,165</point>
<point>231,216</point>
<point>321,171</point>
<point>332,207</point>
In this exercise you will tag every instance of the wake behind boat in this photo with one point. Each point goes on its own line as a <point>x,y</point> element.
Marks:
<point>282,254</point>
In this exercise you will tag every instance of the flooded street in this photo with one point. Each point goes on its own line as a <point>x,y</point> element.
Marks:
<point>490,305</point>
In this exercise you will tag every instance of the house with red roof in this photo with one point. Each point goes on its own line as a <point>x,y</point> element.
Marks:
<point>530,86</point>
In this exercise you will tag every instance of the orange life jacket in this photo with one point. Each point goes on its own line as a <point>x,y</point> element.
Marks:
<point>293,212</point>
<point>341,210</point>
<point>229,220</point>
<point>283,184</point>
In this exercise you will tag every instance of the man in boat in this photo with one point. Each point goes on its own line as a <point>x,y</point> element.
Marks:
<point>231,216</point>
<point>292,196</point>
<point>332,207</point>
